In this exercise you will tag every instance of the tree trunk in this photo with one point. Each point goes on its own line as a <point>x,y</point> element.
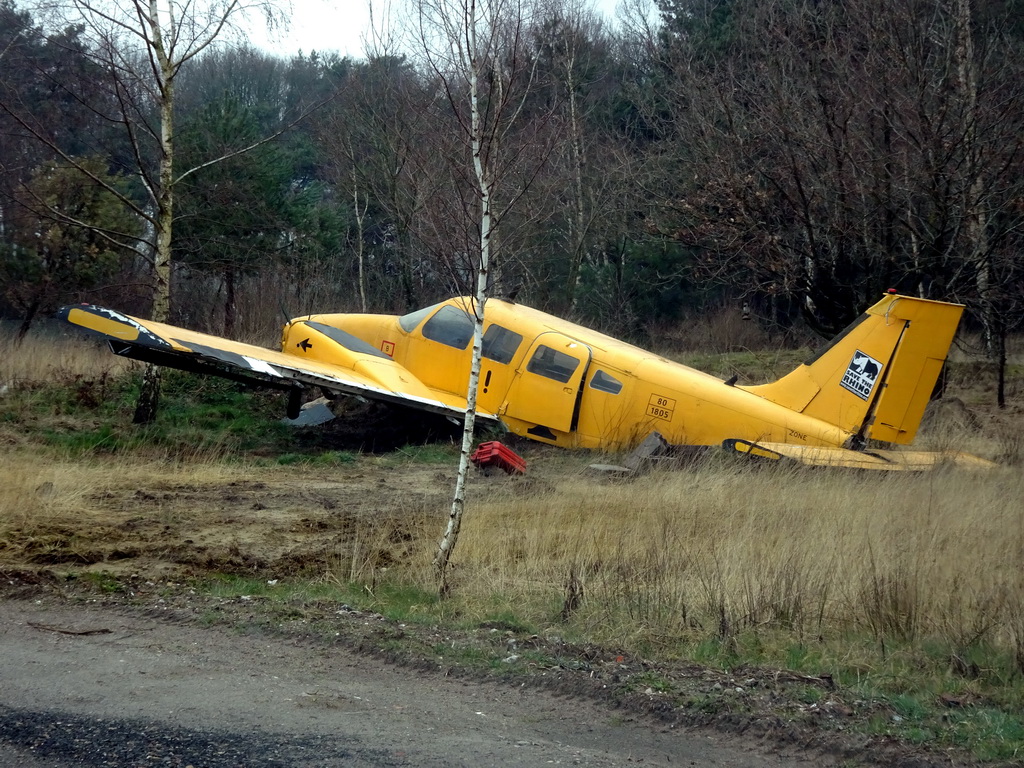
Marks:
<point>485,185</point>
<point>360,256</point>
<point>26,322</point>
<point>408,288</point>
<point>149,396</point>
<point>578,220</point>
<point>446,545</point>
<point>1000,359</point>
<point>230,304</point>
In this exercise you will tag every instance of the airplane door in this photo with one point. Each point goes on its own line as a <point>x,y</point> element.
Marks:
<point>547,384</point>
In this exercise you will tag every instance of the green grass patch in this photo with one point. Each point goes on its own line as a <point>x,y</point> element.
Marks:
<point>987,733</point>
<point>405,603</point>
<point>652,681</point>
<point>716,652</point>
<point>105,583</point>
<point>198,416</point>
<point>506,621</point>
<point>226,585</point>
<point>325,459</point>
<point>431,453</point>
<point>395,601</point>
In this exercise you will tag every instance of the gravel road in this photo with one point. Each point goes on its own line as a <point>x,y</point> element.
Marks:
<point>85,685</point>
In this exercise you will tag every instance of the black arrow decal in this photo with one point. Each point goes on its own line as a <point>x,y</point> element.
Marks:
<point>304,345</point>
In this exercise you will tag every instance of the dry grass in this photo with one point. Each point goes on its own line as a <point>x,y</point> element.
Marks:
<point>47,357</point>
<point>718,330</point>
<point>35,487</point>
<point>50,506</point>
<point>675,558</point>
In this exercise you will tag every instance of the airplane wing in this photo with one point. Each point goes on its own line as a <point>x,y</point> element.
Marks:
<point>886,460</point>
<point>365,373</point>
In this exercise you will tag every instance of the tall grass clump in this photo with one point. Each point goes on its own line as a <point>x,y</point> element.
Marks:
<point>45,356</point>
<point>869,570</point>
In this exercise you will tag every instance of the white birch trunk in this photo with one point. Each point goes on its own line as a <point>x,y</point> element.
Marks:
<point>149,395</point>
<point>165,196</point>
<point>485,183</point>
<point>360,255</point>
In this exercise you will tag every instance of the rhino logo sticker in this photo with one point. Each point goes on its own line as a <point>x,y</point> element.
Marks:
<point>861,375</point>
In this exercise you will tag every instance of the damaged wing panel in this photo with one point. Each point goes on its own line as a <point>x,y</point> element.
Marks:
<point>202,353</point>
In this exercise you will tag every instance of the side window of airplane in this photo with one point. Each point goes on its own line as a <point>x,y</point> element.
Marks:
<point>552,364</point>
<point>451,326</point>
<point>500,344</point>
<point>605,383</point>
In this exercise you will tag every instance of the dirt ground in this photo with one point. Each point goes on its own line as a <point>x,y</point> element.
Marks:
<point>278,523</point>
<point>152,673</point>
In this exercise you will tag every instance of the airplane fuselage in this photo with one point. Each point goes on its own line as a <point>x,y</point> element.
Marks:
<point>560,383</point>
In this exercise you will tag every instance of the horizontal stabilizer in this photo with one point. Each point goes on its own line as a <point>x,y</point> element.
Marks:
<point>886,460</point>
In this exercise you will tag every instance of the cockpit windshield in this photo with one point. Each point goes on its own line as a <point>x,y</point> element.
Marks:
<point>413,319</point>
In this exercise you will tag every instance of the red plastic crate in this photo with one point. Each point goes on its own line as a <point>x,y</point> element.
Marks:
<point>495,454</point>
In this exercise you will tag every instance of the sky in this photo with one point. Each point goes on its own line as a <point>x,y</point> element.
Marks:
<point>341,25</point>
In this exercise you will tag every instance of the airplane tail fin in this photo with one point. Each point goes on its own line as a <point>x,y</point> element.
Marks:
<point>874,379</point>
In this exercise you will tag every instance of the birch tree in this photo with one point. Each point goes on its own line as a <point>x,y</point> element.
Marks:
<point>143,45</point>
<point>571,44</point>
<point>477,50</point>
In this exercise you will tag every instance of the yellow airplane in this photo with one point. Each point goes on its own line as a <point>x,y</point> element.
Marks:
<point>562,384</point>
